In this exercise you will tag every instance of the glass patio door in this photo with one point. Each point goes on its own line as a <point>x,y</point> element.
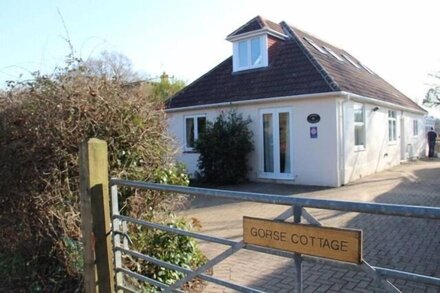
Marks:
<point>276,158</point>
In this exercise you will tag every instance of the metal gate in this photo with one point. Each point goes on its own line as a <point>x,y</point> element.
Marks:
<point>101,225</point>
<point>296,209</point>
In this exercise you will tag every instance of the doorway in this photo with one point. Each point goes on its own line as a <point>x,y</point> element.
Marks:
<point>276,143</point>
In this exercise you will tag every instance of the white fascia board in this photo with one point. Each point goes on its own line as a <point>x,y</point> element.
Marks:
<point>364,99</point>
<point>257,33</point>
<point>258,101</point>
<point>339,94</point>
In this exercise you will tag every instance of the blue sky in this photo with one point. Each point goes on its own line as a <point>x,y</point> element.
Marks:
<point>397,39</point>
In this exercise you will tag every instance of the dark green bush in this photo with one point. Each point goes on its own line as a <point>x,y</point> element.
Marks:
<point>42,122</point>
<point>224,147</point>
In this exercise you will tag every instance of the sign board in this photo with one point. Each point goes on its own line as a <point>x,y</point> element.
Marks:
<point>333,243</point>
<point>313,132</point>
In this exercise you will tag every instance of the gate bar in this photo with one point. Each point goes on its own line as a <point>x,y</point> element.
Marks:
<point>395,274</point>
<point>217,259</point>
<point>186,271</point>
<point>408,276</point>
<point>349,206</point>
<point>177,231</point>
<point>145,279</point>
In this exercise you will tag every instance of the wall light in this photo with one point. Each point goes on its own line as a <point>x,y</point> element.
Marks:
<point>375,109</point>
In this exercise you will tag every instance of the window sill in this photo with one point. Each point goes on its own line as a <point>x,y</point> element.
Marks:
<point>359,148</point>
<point>271,176</point>
<point>248,68</point>
<point>392,143</point>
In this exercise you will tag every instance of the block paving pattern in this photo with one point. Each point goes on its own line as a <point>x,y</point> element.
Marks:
<point>393,242</point>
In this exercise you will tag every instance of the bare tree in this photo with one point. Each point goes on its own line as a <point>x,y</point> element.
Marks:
<point>432,97</point>
<point>112,65</point>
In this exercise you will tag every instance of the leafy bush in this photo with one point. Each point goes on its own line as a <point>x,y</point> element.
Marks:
<point>223,148</point>
<point>42,122</point>
<point>179,250</point>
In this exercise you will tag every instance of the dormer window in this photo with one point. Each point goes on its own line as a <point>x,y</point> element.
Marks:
<point>250,53</point>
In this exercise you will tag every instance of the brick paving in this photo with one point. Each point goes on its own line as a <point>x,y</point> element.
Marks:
<point>393,242</point>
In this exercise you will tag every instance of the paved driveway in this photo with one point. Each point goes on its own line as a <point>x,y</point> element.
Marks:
<point>392,242</point>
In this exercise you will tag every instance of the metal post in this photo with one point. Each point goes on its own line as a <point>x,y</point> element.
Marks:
<point>116,238</point>
<point>297,211</point>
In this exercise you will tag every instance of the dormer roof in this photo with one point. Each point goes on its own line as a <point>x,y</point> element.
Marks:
<point>296,67</point>
<point>255,26</point>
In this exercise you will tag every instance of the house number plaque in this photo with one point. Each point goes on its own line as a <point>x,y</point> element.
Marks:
<point>313,118</point>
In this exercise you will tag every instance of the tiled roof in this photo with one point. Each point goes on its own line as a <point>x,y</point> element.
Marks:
<point>257,23</point>
<point>351,79</point>
<point>295,67</point>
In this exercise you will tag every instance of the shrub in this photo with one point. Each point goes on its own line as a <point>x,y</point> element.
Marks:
<point>179,250</point>
<point>42,122</point>
<point>224,147</point>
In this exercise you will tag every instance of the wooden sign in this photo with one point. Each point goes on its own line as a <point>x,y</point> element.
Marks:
<point>333,243</point>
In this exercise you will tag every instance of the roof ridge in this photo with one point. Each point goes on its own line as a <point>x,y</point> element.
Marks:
<point>327,77</point>
<point>261,20</point>
<point>256,18</point>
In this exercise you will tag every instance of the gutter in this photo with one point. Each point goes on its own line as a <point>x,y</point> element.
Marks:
<point>258,101</point>
<point>360,98</point>
<point>355,97</point>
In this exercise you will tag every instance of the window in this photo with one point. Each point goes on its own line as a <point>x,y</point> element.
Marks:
<point>392,121</point>
<point>359,125</point>
<point>415,127</point>
<point>367,69</point>
<point>194,125</point>
<point>250,53</point>
<point>334,54</point>
<point>351,61</point>
<point>315,45</point>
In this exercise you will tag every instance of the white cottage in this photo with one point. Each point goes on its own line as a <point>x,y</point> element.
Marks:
<point>320,117</point>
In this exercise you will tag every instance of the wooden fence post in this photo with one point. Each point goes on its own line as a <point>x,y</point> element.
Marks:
<point>95,217</point>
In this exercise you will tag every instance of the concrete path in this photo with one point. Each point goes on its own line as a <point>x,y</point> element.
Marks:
<point>392,242</point>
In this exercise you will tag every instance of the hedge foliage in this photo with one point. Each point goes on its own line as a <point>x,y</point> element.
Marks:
<point>42,122</point>
<point>224,147</point>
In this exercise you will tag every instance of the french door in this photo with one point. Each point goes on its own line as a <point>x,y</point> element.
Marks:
<point>276,143</point>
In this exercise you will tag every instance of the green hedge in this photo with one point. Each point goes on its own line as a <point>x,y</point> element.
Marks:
<point>42,122</point>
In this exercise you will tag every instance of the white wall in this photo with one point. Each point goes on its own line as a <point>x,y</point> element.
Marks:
<point>414,146</point>
<point>315,161</point>
<point>379,153</point>
<point>331,159</point>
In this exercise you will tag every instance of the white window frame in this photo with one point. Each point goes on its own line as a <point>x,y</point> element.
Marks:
<point>276,174</point>
<point>196,130</point>
<point>392,119</point>
<point>264,53</point>
<point>415,127</point>
<point>339,58</point>
<point>351,61</point>
<point>311,42</point>
<point>360,147</point>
